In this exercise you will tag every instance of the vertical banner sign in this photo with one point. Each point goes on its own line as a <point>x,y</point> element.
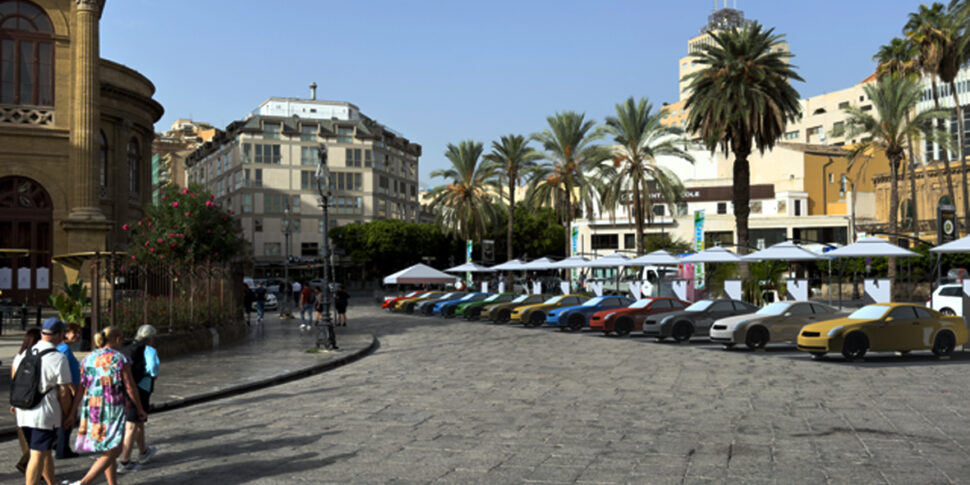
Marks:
<point>699,246</point>
<point>946,223</point>
<point>468,258</point>
<point>575,236</point>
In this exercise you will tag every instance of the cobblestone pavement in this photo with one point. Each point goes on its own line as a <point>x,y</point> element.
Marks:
<point>456,402</point>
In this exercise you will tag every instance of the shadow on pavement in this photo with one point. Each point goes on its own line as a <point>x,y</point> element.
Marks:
<point>230,474</point>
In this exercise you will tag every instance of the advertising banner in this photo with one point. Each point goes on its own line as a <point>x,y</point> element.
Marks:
<point>468,258</point>
<point>699,246</point>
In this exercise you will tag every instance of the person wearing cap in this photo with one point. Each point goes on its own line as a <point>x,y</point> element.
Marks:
<point>40,423</point>
<point>72,333</point>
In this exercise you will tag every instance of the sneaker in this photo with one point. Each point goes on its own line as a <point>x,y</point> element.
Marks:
<point>147,455</point>
<point>68,482</point>
<point>131,466</point>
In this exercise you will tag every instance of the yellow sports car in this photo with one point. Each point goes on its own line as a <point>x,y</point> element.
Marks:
<point>884,327</point>
<point>407,305</point>
<point>535,315</point>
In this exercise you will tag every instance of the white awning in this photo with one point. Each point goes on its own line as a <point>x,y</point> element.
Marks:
<point>783,251</point>
<point>470,268</point>
<point>656,258</point>
<point>871,247</point>
<point>539,264</point>
<point>419,274</point>
<point>716,254</point>
<point>510,265</point>
<point>571,262</point>
<point>614,260</point>
<point>961,245</point>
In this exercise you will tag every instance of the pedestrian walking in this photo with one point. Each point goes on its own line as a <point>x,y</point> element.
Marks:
<point>260,293</point>
<point>297,291</point>
<point>106,378</point>
<point>72,334</point>
<point>249,297</point>
<point>39,422</point>
<point>340,300</point>
<point>306,307</point>
<point>31,337</point>
<point>144,370</point>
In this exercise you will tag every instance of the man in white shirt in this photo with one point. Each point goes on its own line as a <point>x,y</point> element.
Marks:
<point>297,287</point>
<point>39,424</point>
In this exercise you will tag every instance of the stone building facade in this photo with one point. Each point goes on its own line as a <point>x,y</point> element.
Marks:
<point>75,143</point>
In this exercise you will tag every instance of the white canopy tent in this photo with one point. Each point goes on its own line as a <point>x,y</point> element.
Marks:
<point>539,264</point>
<point>614,260</point>
<point>656,258</point>
<point>570,262</point>
<point>961,245</point>
<point>470,268</point>
<point>716,254</point>
<point>871,247</point>
<point>783,251</point>
<point>419,274</point>
<point>510,265</point>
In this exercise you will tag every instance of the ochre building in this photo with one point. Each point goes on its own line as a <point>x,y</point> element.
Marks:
<point>75,143</point>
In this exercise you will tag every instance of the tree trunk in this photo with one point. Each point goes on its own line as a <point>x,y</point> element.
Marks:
<point>567,222</point>
<point>508,240</point>
<point>912,182</point>
<point>638,215</point>
<point>946,156</point>
<point>893,215</point>
<point>963,156</point>
<point>742,205</point>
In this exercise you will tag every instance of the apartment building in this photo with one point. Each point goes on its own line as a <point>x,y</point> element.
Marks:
<point>264,167</point>
<point>171,148</point>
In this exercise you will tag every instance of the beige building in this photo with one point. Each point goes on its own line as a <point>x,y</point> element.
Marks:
<point>75,143</point>
<point>264,168</point>
<point>171,148</point>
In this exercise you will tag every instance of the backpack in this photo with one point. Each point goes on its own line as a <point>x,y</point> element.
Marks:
<point>135,352</point>
<point>25,388</point>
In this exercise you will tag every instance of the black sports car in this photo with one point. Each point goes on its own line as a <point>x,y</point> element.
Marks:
<point>695,320</point>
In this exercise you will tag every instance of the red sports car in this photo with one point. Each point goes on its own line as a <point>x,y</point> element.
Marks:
<point>390,301</point>
<point>622,321</point>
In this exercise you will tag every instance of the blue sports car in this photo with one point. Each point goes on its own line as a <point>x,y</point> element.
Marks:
<point>424,307</point>
<point>447,308</point>
<point>575,318</point>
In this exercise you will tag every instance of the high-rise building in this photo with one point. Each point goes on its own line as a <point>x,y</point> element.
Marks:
<point>170,149</point>
<point>264,168</point>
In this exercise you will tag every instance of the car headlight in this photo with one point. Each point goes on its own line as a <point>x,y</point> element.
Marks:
<point>609,315</point>
<point>835,331</point>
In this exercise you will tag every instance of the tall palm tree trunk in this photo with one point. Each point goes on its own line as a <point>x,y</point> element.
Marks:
<point>568,221</point>
<point>946,156</point>
<point>742,198</point>
<point>963,156</point>
<point>894,162</point>
<point>912,182</point>
<point>508,237</point>
<point>638,214</point>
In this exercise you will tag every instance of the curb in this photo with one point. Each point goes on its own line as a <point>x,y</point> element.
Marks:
<point>10,432</point>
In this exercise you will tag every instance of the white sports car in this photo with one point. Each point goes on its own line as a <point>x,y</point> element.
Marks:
<point>778,322</point>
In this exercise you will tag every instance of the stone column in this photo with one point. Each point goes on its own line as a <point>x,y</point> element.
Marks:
<point>86,113</point>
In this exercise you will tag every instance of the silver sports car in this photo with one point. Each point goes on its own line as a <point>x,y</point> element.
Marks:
<point>778,322</point>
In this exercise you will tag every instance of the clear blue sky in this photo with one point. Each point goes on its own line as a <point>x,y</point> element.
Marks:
<point>449,70</point>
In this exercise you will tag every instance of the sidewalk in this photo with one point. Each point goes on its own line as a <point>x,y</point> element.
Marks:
<point>274,352</point>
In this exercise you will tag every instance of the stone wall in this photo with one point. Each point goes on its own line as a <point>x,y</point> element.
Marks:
<point>200,340</point>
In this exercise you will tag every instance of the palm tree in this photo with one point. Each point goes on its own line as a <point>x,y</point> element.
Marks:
<point>641,138</point>
<point>570,179</point>
<point>890,130</point>
<point>898,58</point>
<point>464,205</point>
<point>933,31</point>
<point>511,159</point>
<point>742,100</point>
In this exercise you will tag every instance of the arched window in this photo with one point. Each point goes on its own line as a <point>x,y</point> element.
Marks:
<point>103,152</point>
<point>26,54</point>
<point>134,160</point>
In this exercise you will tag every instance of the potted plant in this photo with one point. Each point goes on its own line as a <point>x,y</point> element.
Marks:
<point>72,304</point>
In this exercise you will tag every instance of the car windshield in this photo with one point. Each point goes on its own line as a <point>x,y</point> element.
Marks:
<point>468,297</point>
<point>520,298</point>
<point>492,298</point>
<point>776,308</point>
<point>595,301</point>
<point>870,312</point>
<point>642,303</point>
<point>445,296</point>
<point>554,299</point>
<point>699,306</point>
<point>409,295</point>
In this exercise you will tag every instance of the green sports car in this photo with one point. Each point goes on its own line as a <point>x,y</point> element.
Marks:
<point>473,309</point>
<point>500,312</point>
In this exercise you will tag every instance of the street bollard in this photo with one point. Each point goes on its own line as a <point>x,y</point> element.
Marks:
<point>37,320</point>
<point>23,316</point>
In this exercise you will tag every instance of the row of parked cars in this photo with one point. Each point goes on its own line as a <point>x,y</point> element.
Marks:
<point>814,327</point>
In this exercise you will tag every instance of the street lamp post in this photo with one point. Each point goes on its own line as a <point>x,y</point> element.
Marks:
<point>285,292</point>
<point>323,187</point>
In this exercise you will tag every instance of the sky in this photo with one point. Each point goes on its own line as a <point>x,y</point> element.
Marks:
<point>440,71</point>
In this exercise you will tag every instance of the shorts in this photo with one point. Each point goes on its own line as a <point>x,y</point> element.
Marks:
<point>40,439</point>
<point>131,412</point>
<point>341,309</point>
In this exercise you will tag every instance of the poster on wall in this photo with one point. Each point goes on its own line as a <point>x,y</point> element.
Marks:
<point>6,278</point>
<point>43,278</point>
<point>23,278</point>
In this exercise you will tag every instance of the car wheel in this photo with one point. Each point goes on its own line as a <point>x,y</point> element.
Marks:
<point>818,355</point>
<point>756,338</point>
<point>729,346</point>
<point>409,309</point>
<point>944,344</point>
<point>623,326</point>
<point>537,319</point>
<point>948,311</point>
<point>475,314</point>
<point>449,312</point>
<point>855,346</point>
<point>503,316</point>
<point>659,339</point>
<point>682,331</point>
<point>576,322</point>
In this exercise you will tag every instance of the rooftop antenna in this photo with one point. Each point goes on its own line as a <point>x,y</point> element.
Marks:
<point>313,91</point>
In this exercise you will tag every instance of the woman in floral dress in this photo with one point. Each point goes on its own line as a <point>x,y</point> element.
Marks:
<point>105,379</point>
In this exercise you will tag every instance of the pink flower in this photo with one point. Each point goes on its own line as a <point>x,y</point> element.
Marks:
<point>175,204</point>
<point>152,250</point>
<point>139,223</point>
<point>147,243</point>
<point>211,196</point>
<point>159,240</point>
<point>187,214</point>
<point>124,227</point>
<point>132,256</point>
<point>163,197</point>
<point>171,235</point>
<point>209,204</point>
<point>185,191</point>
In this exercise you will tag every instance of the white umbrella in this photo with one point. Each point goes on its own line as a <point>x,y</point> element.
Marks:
<point>614,260</point>
<point>959,246</point>
<point>419,274</point>
<point>783,251</point>
<point>470,268</point>
<point>656,258</point>
<point>570,262</point>
<point>538,264</point>
<point>510,265</point>
<point>716,254</point>
<point>871,247</point>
